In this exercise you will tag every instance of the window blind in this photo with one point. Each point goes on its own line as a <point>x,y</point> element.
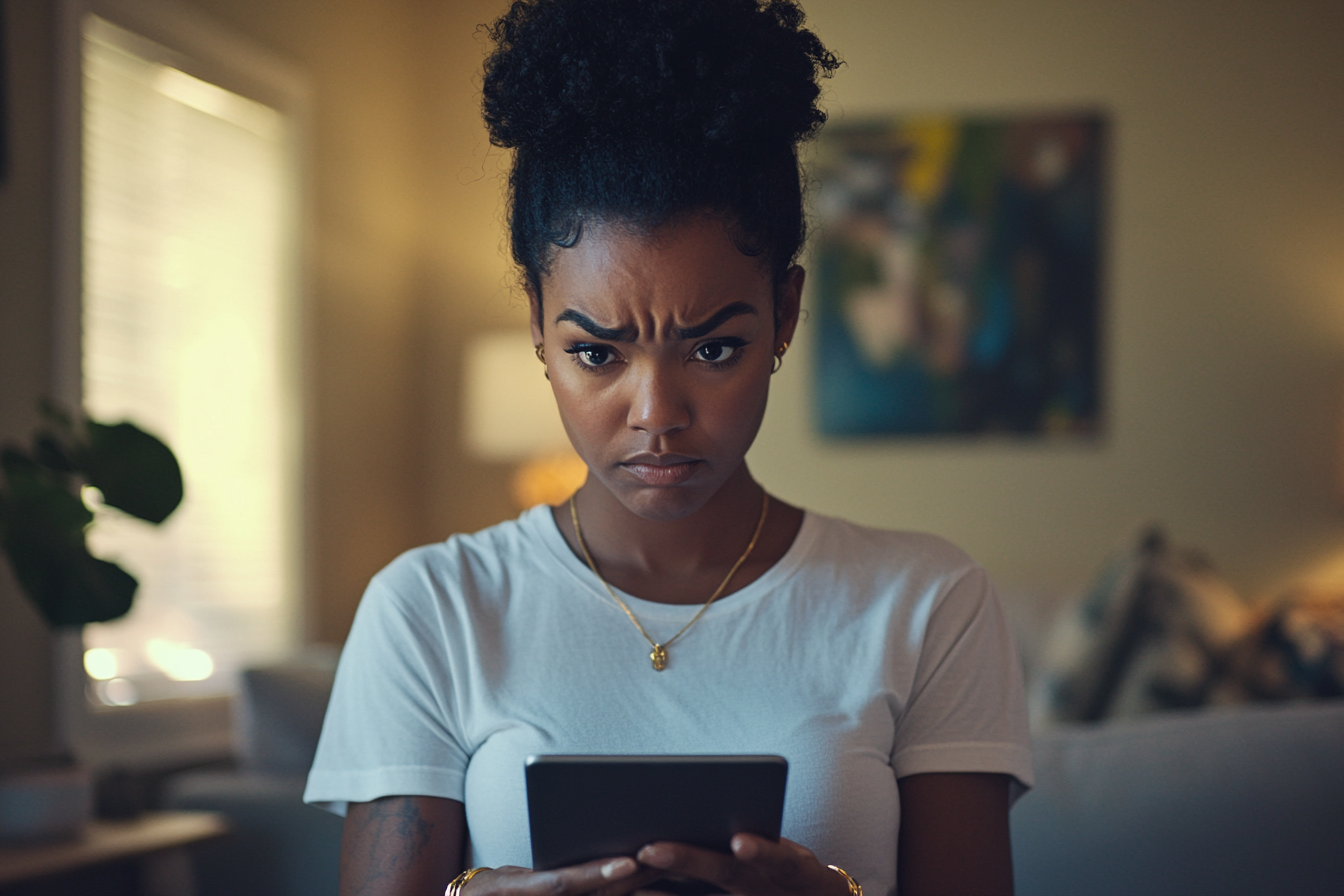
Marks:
<point>188,301</point>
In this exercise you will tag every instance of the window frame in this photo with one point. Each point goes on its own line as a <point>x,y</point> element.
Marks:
<point>188,730</point>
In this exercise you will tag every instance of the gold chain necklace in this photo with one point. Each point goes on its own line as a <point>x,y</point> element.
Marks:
<point>659,652</point>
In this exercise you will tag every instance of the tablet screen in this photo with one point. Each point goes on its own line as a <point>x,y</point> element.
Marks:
<point>582,808</point>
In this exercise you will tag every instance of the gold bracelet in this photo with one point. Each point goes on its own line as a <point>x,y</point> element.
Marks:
<point>855,888</point>
<point>455,887</point>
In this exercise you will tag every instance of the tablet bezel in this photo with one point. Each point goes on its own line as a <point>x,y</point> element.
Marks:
<point>585,807</point>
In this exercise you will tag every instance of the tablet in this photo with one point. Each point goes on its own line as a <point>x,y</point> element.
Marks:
<point>582,808</point>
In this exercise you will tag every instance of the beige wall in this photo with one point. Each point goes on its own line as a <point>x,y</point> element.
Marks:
<point>405,239</point>
<point>405,259</point>
<point>25,367</point>
<point>1225,328</point>
<point>1225,286</point>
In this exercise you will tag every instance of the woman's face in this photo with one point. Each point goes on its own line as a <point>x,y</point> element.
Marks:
<point>659,348</point>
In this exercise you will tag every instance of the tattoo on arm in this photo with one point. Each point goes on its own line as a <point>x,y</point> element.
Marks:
<point>400,820</point>
<point>398,844</point>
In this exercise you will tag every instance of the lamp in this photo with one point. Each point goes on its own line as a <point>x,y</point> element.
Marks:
<point>510,417</point>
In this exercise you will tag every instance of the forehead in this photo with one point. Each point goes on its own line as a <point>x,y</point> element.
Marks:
<point>680,272</point>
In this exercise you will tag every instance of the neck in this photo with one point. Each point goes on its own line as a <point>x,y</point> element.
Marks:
<point>629,548</point>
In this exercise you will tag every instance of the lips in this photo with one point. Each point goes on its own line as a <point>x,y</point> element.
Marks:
<point>661,469</point>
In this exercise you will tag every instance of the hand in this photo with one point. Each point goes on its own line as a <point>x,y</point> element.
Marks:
<point>756,867</point>
<point>603,877</point>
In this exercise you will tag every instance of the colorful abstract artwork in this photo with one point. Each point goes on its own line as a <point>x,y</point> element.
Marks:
<point>957,272</point>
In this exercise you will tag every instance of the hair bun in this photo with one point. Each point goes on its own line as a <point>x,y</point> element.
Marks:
<point>721,74</point>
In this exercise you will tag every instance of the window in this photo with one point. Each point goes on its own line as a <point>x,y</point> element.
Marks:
<point>188,320</point>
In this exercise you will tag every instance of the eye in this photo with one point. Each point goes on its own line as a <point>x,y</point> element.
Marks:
<point>589,355</point>
<point>718,351</point>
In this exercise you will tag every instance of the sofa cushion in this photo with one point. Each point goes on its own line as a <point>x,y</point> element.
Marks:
<point>276,846</point>
<point>1247,800</point>
<point>280,715</point>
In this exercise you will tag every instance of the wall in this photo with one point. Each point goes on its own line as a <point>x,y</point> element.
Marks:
<point>25,366</point>
<point>1225,282</point>
<point>1225,326</point>
<point>405,261</point>
<point>1225,286</point>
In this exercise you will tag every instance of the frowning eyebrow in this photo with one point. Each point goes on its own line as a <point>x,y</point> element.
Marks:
<point>629,334</point>
<point>726,313</point>
<point>596,330</point>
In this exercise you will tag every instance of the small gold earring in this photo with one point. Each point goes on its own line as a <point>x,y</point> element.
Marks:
<point>779,358</point>
<point>541,352</point>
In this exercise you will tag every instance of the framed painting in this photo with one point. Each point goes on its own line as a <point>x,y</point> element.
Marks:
<point>957,274</point>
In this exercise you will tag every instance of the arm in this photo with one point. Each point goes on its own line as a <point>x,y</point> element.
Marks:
<point>403,845</point>
<point>954,835</point>
<point>412,846</point>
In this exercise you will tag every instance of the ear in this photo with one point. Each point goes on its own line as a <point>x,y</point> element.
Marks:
<point>790,303</point>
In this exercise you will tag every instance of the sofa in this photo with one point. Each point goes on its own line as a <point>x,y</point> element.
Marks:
<point>278,845</point>
<point>1244,800</point>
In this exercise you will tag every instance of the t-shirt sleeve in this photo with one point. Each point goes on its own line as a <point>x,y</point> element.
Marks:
<point>390,728</point>
<point>966,710</point>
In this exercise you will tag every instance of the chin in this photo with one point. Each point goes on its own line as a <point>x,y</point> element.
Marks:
<point>662,504</point>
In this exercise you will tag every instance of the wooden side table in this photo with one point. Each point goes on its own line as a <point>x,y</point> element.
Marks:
<point>145,856</point>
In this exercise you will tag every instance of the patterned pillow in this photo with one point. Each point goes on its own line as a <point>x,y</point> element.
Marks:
<point>1295,650</point>
<point>1155,631</point>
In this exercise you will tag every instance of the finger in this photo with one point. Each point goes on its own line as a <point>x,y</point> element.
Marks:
<point>589,876</point>
<point>786,863</point>
<point>635,883</point>
<point>693,861</point>
<point>586,878</point>
<point>783,857</point>
<point>492,880</point>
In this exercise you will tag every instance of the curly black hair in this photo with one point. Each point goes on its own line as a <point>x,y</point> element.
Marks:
<point>642,110</point>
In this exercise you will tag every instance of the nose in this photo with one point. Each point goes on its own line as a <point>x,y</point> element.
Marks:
<point>658,404</point>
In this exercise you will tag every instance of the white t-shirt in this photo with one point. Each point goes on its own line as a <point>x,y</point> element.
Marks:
<point>861,656</point>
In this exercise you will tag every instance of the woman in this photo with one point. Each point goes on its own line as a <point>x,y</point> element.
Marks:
<point>671,606</point>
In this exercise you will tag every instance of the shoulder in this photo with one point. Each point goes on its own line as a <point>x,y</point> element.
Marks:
<point>472,567</point>
<point>856,549</point>
<point>894,580</point>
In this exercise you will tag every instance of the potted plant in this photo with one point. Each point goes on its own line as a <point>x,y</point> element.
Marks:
<point>43,516</point>
<point>43,523</point>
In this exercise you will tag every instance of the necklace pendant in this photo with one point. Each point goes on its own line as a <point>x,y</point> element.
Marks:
<point>659,657</point>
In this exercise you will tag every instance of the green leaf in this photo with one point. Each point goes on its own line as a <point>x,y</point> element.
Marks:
<point>135,471</point>
<point>40,510</point>
<point>101,591</point>
<point>44,538</point>
<point>43,520</point>
<point>49,452</point>
<point>71,588</point>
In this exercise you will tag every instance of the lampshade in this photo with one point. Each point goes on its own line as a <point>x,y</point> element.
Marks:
<point>510,412</point>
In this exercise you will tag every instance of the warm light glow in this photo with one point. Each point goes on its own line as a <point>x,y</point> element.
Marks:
<point>509,410</point>
<point>178,661</point>
<point>100,663</point>
<point>118,692</point>
<point>548,480</point>
<point>92,497</point>
<point>206,97</point>
<point>189,302</point>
